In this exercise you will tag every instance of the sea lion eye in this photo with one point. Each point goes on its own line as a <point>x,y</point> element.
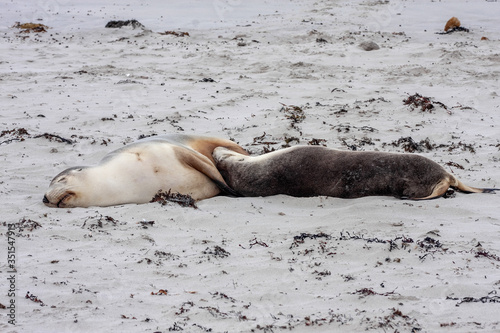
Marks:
<point>62,180</point>
<point>63,200</point>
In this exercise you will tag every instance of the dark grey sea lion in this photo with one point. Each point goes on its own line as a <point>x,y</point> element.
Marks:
<point>305,171</point>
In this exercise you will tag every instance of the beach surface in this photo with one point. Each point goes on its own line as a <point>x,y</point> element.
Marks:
<point>267,75</point>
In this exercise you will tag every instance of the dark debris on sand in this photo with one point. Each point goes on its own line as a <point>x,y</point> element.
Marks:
<point>182,199</point>
<point>128,23</point>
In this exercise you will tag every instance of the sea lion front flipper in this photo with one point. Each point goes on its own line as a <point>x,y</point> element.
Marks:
<point>202,164</point>
<point>206,146</point>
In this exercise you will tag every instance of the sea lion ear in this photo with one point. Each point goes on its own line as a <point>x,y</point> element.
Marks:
<point>203,164</point>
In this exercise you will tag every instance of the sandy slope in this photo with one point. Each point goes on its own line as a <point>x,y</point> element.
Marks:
<point>261,264</point>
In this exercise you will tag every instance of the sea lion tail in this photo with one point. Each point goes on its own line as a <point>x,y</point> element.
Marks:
<point>451,181</point>
<point>455,183</point>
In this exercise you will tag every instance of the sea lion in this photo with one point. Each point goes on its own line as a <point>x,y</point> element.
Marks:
<point>136,172</point>
<point>305,171</point>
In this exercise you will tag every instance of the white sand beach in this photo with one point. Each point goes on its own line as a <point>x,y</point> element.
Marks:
<point>70,95</point>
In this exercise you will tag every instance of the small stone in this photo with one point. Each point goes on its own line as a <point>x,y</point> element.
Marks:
<point>369,46</point>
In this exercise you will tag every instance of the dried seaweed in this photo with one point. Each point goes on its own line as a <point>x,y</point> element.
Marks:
<point>288,140</point>
<point>254,242</point>
<point>99,221</point>
<point>34,298</point>
<point>486,254</point>
<point>164,198</point>
<point>223,296</point>
<point>166,255</point>
<point>317,142</point>
<point>405,241</point>
<point>429,243</point>
<point>322,274</point>
<point>397,314</point>
<point>409,145</point>
<point>370,292</point>
<point>50,137</point>
<point>357,144</point>
<point>492,297</point>
<point>217,251</point>
<point>183,309</point>
<point>258,140</point>
<point>393,243</point>
<point>145,224</point>
<point>215,312</point>
<point>25,224</point>
<point>430,246</point>
<point>348,236</point>
<point>293,113</point>
<point>15,132</point>
<point>300,239</point>
<point>21,134</point>
<point>176,33</point>
<point>455,29</point>
<point>423,103</point>
<point>456,165</point>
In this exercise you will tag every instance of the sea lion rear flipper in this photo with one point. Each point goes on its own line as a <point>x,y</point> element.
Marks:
<point>438,191</point>
<point>468,189</point>
<point>202,164</point>
<point>451,181</point>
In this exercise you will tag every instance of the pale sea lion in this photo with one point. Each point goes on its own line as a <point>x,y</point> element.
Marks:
<point>305,171</point>
<point>136,172</point>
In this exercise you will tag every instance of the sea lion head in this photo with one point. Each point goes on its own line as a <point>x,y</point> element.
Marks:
<point>68,189</point>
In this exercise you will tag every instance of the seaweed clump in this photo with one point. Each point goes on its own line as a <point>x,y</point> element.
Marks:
<point>164,198</point>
